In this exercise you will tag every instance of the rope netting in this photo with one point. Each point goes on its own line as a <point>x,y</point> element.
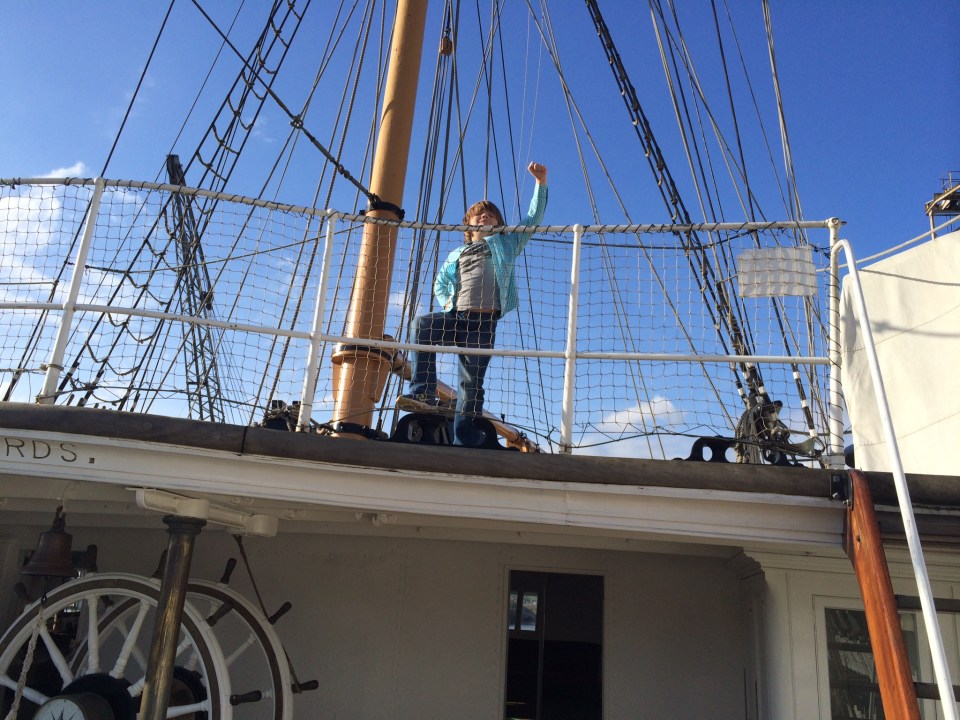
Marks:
<point>132,348</point>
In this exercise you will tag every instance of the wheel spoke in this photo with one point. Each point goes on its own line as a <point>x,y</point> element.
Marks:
<point>129,643</point>
<point>192,662</point>
<point>59,661</point>
<point>181,710</point>
<point>137,687</point>
<point>30,694</point>
<point>232,657</point>
<point>110,650</point>
<point>93,636</point>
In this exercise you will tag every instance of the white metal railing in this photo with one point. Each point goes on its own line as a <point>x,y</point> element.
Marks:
<point>927,604</point>
<point>570,354</point>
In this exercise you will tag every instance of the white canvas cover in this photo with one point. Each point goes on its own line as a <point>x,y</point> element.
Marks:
<point>913,301</point>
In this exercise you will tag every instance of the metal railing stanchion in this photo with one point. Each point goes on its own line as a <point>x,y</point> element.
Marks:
<point>929,611</point>
<point>570,354</point>
<point>316,331</point>
<point>47,393</point>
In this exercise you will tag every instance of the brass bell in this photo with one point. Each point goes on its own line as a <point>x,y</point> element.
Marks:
<point>52,556</point>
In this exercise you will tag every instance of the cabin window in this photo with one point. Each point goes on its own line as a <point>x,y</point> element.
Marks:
<point>554,646</point>
<point>854,691</point>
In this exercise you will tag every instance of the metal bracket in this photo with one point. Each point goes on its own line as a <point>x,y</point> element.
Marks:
<point>183,506</point>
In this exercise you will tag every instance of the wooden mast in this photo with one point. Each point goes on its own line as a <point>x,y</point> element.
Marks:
<point>359,373</point>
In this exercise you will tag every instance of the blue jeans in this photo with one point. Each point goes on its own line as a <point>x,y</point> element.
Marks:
<point>461,328</point>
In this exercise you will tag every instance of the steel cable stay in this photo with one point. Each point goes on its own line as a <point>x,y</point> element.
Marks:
<point>487,73</point>
<point>444,98</point>
<point>296,295</point>
<point>68,377</point>
<point>200,91</point>
<point>515,169</point>
<point>785,329</point>
<point>706,276</point>
<point>779,310</point>
<point>670,196</point>
<point>296,120</point>
<point>764,135</point>
<point>545,433</point>
<point>439,123</point>
<point>133,100</point>
<point>524,260</point>
<point>147,283</point>
<point>684,122</point>
<point>490,40</point>
<point>813,314</point>
<point>371,139</point>
<point>642,394</point>
<point>199,272</point>
<point>223,153</point>
<point>752,389</point>
<point>644,249</point>
<point>694,151</point>
<point>352,81</point>
<point>812,310</point>
<point>34,338</point>
<point>794,194</point>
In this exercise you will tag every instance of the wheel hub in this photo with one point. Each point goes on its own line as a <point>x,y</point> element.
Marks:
<point>114,690</point>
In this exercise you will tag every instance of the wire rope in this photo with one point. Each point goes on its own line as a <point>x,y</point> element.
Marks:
<point>785,329</point>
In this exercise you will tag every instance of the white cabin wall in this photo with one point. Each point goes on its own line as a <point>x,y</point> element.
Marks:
<point>672,639</point>
<point>403,628</point>
<point>798,588</point>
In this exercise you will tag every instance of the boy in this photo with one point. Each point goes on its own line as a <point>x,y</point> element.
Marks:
<point>475,286</point>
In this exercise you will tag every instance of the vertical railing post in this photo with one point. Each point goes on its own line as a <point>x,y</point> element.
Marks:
<point>47,393</point>
<point>835,449</point>
<point>570,353</point>
<point>313,355</point>
<point>927,605</point>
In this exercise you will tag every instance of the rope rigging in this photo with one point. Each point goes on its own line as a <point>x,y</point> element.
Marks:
<point>752,390</point>
<point>68,384</point>
<point>296,120</point>
<point>218,167</point>
<point>462,106</point>
<point>785,329</point>
<point>703,271</point>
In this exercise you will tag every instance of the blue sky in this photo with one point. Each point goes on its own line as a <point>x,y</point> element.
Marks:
<point>871,92</point>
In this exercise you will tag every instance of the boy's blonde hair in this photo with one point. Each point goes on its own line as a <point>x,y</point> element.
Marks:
<point>479,207</point>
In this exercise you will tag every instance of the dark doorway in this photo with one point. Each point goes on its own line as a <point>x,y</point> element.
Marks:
<point>554,647</point>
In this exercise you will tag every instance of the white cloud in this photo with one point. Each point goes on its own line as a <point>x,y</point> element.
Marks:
<point>398,314</point>
<point>632,432</point>
<point>126,196</point>
<point>643,416</point>
<point>658,447</point>
<point>78,169</point>
<point>27,217</point>
<point>262,129</point>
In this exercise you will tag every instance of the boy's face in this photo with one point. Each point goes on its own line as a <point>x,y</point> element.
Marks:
<point>484,217</point>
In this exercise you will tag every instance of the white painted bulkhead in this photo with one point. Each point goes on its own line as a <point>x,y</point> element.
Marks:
<point>397,626</point>
<point>712,607</point>
<point>797,588</point>
<point>400,627</point>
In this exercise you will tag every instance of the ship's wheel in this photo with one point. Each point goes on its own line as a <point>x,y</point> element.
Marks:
<point>94,641</point>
